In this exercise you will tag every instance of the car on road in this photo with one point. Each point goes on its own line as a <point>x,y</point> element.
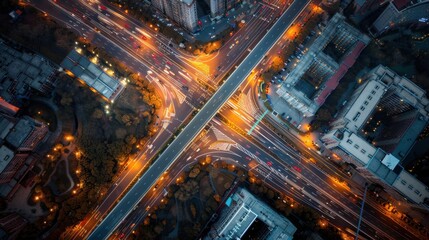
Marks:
<point>298,169</point>
<point>269,163</point>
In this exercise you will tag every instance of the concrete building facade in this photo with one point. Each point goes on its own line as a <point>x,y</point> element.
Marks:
<point>183,12</point>
<point>218,8</point>
<point>378,150</point>
<point>322,67</point>
<point>244,216</point>
<point>401,12</point>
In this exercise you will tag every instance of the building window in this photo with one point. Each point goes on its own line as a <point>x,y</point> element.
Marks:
<point>356,146</point>
<point>356,116</point>
<point>349,141</point>
<point>369,155</point>
<point>372,92</point>
<point>417,192</point>
<point>362,108</point>
<point>403,182</point>
<point>365,103</point>
<point>369,97</point>
<point>410,187</point>
<point>363,151</point>
<point>377,87</point>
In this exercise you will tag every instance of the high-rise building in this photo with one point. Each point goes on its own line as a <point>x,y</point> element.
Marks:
<point>322,67</point>
<point>217,8</point>
<point>183,12</point>
<point>401,12</point>
<point>364,6</point>
<point>246,217</point>
<point>376,129</point>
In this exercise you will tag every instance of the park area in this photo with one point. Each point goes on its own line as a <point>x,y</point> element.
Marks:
<point>190,202</point>
<point>95,138</point>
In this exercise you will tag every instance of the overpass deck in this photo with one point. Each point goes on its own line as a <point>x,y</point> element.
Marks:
<point>207,112</point>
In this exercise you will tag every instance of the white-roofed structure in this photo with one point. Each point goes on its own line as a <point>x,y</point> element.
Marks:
<point>378,126</point>
<point>245,216</point>
<point>80,67</point>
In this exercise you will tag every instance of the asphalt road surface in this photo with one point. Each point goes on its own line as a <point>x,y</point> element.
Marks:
<point>143,185</point>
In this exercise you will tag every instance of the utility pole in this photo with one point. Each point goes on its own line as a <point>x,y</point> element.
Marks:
<point>361,211</point>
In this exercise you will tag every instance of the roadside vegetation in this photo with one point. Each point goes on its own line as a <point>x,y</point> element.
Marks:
<point>185,211</point>
<point>296,34</point>
<point>97,138</point>
<point>36,31</point>
<point>145,13</point>
<point>107,136</point>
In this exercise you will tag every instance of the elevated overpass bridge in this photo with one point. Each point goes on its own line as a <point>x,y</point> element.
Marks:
<point>207,112</point>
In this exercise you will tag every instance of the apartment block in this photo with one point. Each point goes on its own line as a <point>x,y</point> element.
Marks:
<point>401,12</point>
<point>246,217</point>
<point>376,129</point>
<point>218,8</point>
<point>322,67</point>
<point>183,12</point>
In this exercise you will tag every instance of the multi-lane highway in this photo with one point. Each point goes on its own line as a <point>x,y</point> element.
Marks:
<point>142,186</point>
<point>121,42</point>
<point>162,66</point>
